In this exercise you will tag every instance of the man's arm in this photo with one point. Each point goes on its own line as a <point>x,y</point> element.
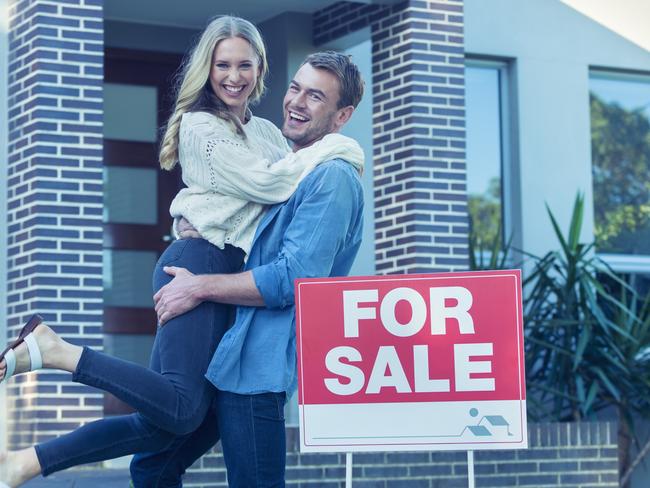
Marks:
<point>330,205</point>
<point>309,245</point>
<point>187,290</point>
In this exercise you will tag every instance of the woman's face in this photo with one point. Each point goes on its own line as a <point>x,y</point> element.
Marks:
<point>234,72</point>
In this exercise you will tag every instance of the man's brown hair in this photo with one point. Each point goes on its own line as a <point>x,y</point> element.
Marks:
<point>340,65</point>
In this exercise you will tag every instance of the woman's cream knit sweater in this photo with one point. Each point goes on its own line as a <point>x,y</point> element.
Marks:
<point>230,179</point>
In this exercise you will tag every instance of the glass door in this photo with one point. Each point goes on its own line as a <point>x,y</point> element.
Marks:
<point>137,194</point>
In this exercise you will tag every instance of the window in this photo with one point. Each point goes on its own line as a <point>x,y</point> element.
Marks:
<point>486,117</point>
<point>620,147</point>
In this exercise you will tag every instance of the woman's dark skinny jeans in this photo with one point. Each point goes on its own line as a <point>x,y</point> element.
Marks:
<point>173,397</point>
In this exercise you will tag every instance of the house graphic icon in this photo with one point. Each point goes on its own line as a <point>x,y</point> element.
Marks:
<point>488,425</point>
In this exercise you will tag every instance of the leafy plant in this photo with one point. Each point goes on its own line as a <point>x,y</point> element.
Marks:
<point>587,332</point>
<point>587,335</point>
<point>490,253</point>
<point>635,400</point>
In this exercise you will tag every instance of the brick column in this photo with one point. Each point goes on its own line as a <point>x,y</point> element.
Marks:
<point>54,195</point>
<point>421,222</point>
<point>419,138</point>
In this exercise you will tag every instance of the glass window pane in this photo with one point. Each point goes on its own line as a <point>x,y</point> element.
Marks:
<point>482,95</point>
<point>130,112</point>
<point>620,147</point>
<point>130,195</point>
<point>127,278</point>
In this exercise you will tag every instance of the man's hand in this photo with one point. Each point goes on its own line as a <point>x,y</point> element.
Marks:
<point>178,296</point>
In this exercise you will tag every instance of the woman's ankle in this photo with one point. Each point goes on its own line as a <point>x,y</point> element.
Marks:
<point>56,352</point>
<point>69,356</point>
<point>31,466</point>
<point>20,466</point>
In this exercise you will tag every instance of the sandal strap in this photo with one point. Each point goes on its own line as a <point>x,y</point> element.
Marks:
<point>35,358</point>
<point>10,359</point>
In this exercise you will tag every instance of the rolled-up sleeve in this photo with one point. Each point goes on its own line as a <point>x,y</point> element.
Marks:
<point>327,208</point>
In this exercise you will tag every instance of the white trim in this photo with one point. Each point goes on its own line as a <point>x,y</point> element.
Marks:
<point>4,110</point>
<point>627,263</point>
<point>601,73</point>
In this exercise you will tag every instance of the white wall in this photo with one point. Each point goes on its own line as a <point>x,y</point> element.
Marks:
<point>4,43</point>
<point>359,45</point>
<point>360,128</point>
<point>552,47</point>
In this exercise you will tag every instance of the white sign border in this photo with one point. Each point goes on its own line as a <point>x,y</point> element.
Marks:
<point>482,445</point>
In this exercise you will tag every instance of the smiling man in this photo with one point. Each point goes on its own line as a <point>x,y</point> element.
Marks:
<point>308,105</point>
<point>316,233</point>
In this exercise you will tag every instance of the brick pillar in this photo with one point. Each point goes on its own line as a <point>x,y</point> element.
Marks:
<point>421,221</point>
<point>418,84</point>
<point>54,197</point>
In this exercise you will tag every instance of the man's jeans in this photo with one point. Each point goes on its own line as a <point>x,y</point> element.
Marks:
<point>251,429</point>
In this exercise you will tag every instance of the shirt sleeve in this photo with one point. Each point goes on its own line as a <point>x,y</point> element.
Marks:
<point>327,212</point>
<point>235,170</point>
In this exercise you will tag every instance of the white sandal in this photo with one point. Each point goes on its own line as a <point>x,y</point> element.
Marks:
<point>35,357</point>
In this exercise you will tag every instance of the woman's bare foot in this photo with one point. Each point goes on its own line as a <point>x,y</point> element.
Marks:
<point>56,353</point>
<point>17,467</point>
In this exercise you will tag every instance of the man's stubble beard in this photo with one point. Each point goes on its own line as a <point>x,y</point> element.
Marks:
<point>315,133</point>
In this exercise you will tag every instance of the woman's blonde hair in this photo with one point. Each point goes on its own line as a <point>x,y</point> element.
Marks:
<point>194,92</point>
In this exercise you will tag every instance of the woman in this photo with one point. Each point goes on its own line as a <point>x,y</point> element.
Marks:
<point>225,155</point>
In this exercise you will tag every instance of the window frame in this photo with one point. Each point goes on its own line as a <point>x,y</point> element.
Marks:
<point>620,263</point>
<point>508,144</point>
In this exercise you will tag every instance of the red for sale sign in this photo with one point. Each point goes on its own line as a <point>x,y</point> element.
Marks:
<point>430,362</point>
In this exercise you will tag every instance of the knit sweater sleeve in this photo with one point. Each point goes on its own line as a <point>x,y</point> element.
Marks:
<point>234,169</point>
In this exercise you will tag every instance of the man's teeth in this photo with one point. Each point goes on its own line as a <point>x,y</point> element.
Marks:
<point>294,115</point>
<point>233,89</point>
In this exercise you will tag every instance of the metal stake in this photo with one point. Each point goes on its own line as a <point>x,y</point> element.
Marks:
<point>470,469</point>
<point>348,470</point>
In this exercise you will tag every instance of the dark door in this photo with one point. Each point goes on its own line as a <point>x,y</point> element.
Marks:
<point>137,194</point>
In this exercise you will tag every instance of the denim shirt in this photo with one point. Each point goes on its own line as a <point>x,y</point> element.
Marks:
<point>316,233</point>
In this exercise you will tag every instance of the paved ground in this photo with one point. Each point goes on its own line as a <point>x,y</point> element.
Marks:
<point>101,478</point>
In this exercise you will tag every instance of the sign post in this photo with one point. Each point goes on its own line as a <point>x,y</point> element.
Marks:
<point>412,362</point>
<point>470,469</point>
<point>348,470</point>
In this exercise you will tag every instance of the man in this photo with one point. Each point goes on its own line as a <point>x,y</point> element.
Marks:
<point>316,233</point>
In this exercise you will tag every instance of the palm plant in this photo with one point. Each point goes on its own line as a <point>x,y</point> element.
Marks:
<point>634,400</point>
<point>586,345</point>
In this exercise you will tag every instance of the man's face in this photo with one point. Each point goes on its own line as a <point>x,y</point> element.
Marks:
<point>310,107</point>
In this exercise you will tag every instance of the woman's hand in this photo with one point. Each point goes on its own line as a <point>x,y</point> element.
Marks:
<point>186,230</point>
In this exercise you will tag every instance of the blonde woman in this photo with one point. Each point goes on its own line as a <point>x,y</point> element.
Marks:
<point>226,155</point>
